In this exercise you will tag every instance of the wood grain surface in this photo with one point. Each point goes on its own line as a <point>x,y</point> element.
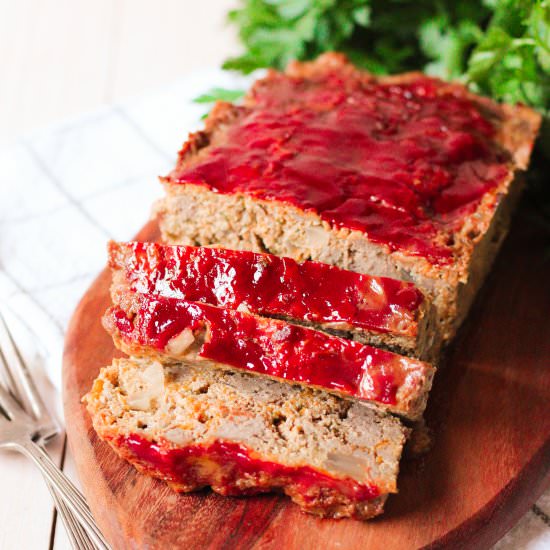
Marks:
<point>489,412</point>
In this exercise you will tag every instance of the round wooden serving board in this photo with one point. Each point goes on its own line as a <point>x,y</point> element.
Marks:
<point>489,411</point>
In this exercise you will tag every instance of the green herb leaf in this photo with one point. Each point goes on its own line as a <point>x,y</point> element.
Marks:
<point>499,47</point>
<point>510,60</point>
<point>219,94</point>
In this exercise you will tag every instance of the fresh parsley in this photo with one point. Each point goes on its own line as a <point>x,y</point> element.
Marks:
<point>499,48</point>
<point>219,94</point>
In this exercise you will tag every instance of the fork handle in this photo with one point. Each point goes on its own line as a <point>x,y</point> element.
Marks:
<point>77,535</point>
<point>66,490</point>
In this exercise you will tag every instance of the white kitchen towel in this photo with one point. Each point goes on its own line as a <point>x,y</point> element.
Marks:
<point>67,189</point>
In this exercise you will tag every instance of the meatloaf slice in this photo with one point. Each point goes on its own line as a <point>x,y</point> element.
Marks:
<point>406,177</point>
<point>374,310</point>
<point>193,427</point>
<point>180,330</point>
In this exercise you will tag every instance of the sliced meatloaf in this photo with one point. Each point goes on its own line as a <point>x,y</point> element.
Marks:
<point>194,427</point>
<point>406,177</point>
<point>374,310</point>
<point>180,330</point>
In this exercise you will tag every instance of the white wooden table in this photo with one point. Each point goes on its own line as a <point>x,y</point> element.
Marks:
<point>59,58</point>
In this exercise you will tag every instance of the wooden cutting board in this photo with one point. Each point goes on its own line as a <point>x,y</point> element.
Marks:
<point>489,410</point>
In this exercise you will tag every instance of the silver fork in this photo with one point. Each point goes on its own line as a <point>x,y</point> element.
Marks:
<point>30,412</point>
<point>20,383</point>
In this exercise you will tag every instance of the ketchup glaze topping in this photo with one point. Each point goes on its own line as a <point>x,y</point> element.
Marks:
<point>234,461</point>
<point>404,163</point>
<point>270,285</point>
<point>271,347</point>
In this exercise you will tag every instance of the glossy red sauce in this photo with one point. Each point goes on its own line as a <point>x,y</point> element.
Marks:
<point>234,461</point>
<point>270,285</point>
<point>272,347</point>
<point>403,163</point>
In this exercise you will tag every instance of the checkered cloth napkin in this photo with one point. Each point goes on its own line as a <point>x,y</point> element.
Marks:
<point>67,189</point>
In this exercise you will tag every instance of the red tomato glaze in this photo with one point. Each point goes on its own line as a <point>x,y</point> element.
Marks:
<point>271,285</point>
<point>403,163</point>
<point>271,347</point>
<point>234,462</point>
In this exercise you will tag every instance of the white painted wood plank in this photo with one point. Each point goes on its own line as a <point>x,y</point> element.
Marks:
<point>54,59</point>
<point>163,40</point>
<point>61,57</point>
<point>26,509</point>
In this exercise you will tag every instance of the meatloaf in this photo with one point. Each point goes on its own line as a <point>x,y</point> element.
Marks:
<point>373,310</point>
<point>405,176</point>
<point>181,330</point>
<point>194,427</point>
